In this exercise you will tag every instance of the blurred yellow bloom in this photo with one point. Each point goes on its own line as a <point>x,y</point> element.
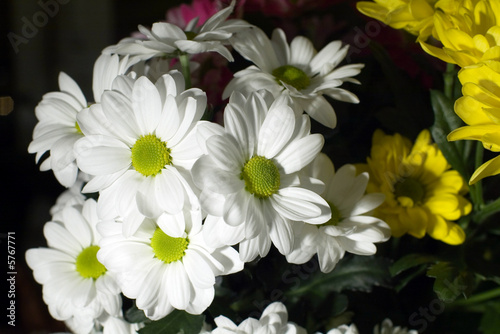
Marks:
<point>422,194</point>
<point>469,31</point>
<point>415,16</point>
<point>479,108</point>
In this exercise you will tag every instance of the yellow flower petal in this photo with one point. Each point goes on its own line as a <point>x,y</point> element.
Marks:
<point>492,53</point>
<point>489,168</point>
<point>470,110</point>
<point>477,132</point>
<point>484,17</point>
<point>456,235</point>
<point>372,10</point>
<point>437,227</point>
<point>479,93</point>
<point>493,35</point>
<point>421,9</point>
<point>486,74</point>
<point>415,220</point>
<point>436,52</point>
<point>481,43</point>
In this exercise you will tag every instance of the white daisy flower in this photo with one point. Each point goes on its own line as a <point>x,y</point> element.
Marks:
<point>76,286</point>
<point>162,272</point>
<point>297,69</point>
<point>166,38</point>
<point>140,144</point>
<point>57,129</point>
<point>350,228</point>
<point>274,320</point>
<point>248,177</point>
<point>388,328</point>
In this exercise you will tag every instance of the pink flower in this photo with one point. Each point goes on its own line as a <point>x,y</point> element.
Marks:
<point>203,9</point>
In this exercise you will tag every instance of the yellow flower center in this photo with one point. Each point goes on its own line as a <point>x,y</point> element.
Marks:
<point>292,76</point>
<point>150,155</point>
<point>167,248</point>
<point>336,216</point>
<point>190,35</point>
<point>87,264</point>
<point>261,176</point>
<point>410,188</point>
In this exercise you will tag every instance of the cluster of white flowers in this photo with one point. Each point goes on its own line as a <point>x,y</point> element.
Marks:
<point>176,193</point>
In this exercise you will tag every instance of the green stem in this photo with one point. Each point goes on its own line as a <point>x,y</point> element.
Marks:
<point>449,80</point>
<point>476,190</point>
<point>186,71</point>
<point>487,210</point>
<point>479,298</point>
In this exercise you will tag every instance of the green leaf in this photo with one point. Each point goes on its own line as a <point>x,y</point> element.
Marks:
<point>177,322</point>
<point>490,322</point>
<point>445,120</point>
<point>410,261</point>
<point>451,282</point>
<point>135,315</point>
<point>359,273</point>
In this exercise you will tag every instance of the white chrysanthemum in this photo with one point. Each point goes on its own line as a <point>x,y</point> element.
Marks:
<point>274,320</point>
<point>162,272</point>
<point>166,38</point>
<point>140,145</point>
<point>297,69</point>
<point>57,129</point>
<point>76,286</point>
<point>388,328</point>
<point>350,228</point>
<point>249,178</point>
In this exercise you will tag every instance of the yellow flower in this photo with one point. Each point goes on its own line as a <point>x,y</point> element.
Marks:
<point>415,16</point>
<point>479,108</point>
<point>422,194</point>
<point>469,31</point>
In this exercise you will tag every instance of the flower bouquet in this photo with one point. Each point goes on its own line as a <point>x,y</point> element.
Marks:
<point>271,167</point>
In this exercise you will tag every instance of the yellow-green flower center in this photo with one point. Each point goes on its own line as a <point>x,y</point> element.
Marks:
<point>167,248</point>
<point>411,188</point>
<point>78,130</point>
<point>190,35</point>
<point>87,264</point>
<point>292,76</point>
<point>150,155</point>
<point>336,217</point>
<point>261,176</point>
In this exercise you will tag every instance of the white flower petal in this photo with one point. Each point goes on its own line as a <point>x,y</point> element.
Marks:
<point>172,225</point>
<point>300,153</point>
<point>179,286</point>
<point>146,104</point>
<point>199,272</point>
<point>281,234</point>
<point>275,131</point>
<point>301,52</point>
